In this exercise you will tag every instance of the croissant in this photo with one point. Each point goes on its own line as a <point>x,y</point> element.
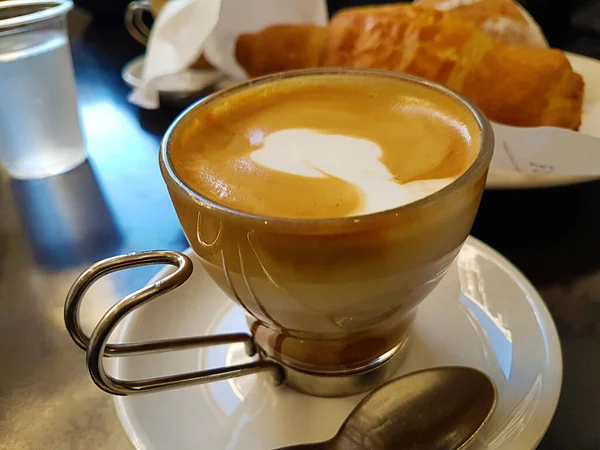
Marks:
<point>504,20</point>
<point>513,85</point>
<point>281,47</point>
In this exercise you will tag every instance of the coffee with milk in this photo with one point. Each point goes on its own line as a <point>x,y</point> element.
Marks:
<point>326,147</point>
<point>328,205</point>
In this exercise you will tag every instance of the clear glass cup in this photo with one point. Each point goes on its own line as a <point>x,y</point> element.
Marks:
<point>40,132</point>
<point>324,295</point>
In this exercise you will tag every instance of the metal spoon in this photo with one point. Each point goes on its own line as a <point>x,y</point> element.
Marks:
<point>433,409</point>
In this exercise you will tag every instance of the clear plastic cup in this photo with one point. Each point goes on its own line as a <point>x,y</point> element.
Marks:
<point>40,132</point>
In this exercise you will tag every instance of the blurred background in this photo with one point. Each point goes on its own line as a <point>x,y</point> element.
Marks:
<point>568,24</point>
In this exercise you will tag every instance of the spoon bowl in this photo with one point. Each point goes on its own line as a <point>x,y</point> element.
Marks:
<point>434,409</point>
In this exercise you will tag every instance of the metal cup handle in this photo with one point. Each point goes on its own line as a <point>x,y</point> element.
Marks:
<point>97,348</point>
<point>134,20</point>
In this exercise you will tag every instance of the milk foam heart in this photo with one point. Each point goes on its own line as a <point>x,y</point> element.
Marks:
<point>310,153</point>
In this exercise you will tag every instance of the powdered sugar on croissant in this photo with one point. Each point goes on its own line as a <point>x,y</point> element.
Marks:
<point>504,20</point>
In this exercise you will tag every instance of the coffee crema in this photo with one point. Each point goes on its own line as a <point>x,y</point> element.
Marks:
<point>326,146</point>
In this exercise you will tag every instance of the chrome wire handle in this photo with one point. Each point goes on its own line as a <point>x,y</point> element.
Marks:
<point>96,346</point>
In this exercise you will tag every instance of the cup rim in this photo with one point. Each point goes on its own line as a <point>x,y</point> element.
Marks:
<point>479,165</point>
<point>49,9</point>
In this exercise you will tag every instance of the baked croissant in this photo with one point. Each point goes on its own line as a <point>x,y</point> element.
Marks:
<point>281,47</point>
<point>504,20</point>
<point>512,85</point>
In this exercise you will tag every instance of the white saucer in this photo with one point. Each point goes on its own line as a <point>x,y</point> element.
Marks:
<point>191,84</point>
<point>510,180</point>
<point>500,325</point>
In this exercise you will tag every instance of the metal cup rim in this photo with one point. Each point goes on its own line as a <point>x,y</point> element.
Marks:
<point>477,168</point>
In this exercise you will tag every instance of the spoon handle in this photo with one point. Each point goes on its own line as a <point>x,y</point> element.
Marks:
<point>313,446</point>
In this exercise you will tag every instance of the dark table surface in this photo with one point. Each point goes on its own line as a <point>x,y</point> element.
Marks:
<point>51,229</point>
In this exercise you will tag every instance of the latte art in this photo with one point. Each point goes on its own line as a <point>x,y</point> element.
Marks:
<point>326,147</point>
<point>313,154</point>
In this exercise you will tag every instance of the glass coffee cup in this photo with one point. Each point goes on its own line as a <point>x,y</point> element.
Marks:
<point>326,299</point>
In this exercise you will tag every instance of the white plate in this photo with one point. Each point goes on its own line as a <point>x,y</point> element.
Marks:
<point>186,84</point>
<point>504,329</point>
<point>589,69</point>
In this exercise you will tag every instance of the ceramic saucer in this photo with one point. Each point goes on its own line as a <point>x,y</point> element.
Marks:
<point>498,324</point>
<point>186,86</point>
